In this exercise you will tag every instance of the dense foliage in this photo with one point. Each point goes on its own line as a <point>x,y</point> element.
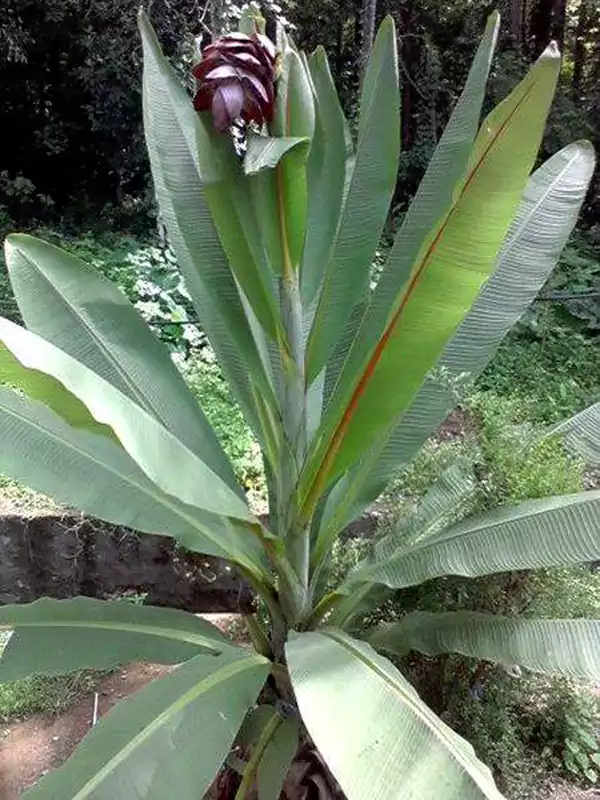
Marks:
<point>69,85</point>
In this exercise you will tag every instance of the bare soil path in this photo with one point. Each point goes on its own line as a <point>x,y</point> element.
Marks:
<point>31,748</point>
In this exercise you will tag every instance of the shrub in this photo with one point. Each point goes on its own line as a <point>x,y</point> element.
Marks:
<point>552,377</point>
<point>519,726</point>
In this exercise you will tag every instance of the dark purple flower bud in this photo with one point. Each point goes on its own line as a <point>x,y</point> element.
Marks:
<point>236,79</point>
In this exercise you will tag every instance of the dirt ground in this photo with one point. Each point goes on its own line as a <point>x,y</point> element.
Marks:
<point>561,790</point>
<point>31,748</point>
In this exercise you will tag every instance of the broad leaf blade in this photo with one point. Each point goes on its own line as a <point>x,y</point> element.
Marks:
<point>67,303</point>
<point>542,225</point>
<point>326,170</point>
<point>54,637</point>
<point>538,533</point>
<point>569,647</point>
<point>378,738</point>
<point>163,457</point>
<point>454,262</point>
<point>277,178</point>
<point>435,193</point>
<point>367,202</point>
<point>581,434</point>
<point>293,116</point>
<point>218,169</point>
<point>39,386</point>
<point>276,760</point>
<point>170,127</point>
<point>266,152</point>
<point>150,745</point>
<point>96,475</point>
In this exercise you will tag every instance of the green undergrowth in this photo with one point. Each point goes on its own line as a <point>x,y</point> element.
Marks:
<point>206,381</point>
<point>552,377</point>
<point>521,726</point>
<point>44,695</point>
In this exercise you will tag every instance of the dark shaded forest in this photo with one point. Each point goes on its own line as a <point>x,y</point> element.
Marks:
<point>69,86</point>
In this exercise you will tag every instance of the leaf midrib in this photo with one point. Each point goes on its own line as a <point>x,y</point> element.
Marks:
<point>407,698</point>
<point>160,500</point>
<point>205,685</point>
<point>173,634</point>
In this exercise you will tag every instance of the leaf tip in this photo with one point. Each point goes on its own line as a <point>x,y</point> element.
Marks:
<point>552,51</point>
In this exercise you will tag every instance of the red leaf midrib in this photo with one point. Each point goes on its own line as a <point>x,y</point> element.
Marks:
<point>363,383</point>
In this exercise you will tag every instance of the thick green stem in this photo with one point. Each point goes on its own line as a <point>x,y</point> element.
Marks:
<point>294,427</point>
<point>258,637</point>
<point>293,413</point>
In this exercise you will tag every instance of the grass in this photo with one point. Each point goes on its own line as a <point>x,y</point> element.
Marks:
<point>210,387</point>
<point>519,727</point>
<point>21,499</point>
<point>43,695</point>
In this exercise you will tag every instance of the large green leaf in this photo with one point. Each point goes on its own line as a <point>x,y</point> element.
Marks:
<point>294,107</point>
<point>70,305</point>
<point>434,196</point>
<point>39,386</point>
<point>269,742</point>
<point>96,475</point>
<point>293,116</point>
<point>228,196</point>
<point>377,736</point>
<point>53,637</point>
<point>266,152</point>
<point>454,261</point>
<point>277,175</point>
<point>162,456</point>
<point>168,740</point>
<point>569,647</point>
<point>326,171</point>
<point>581,434</point>
<point>367,202</point>
<point>277,758</point>
<point>172,130</point>
<point>538,533</point>
<point>541,227</point>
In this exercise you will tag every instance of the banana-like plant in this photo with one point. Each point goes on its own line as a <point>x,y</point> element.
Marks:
<point>341,384</point>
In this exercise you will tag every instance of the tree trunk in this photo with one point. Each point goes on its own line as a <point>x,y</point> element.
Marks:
<point>579,53</point>
<point>516,23</point>
<point>369,12</point>
<point>547,23</point>
<point>408,56</point>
